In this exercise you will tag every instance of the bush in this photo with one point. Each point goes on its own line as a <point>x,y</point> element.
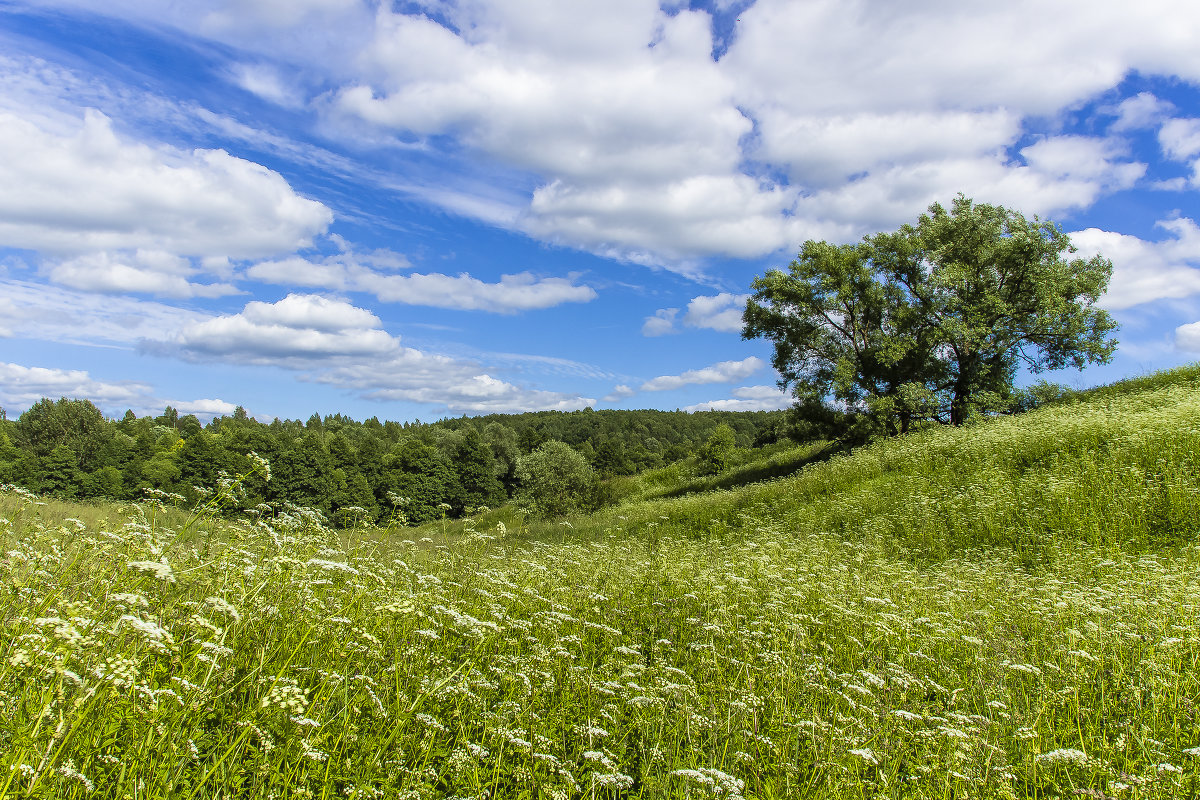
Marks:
<point>555,479</point>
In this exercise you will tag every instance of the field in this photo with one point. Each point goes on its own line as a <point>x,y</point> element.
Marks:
<point>1010,609</point>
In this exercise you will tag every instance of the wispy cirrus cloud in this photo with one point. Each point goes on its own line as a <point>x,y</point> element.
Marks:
<point>511,294</point>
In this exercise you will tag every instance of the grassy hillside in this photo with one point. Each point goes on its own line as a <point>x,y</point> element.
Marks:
<point>1004,610</point>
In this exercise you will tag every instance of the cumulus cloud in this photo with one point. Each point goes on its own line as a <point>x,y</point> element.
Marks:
<point>748,398</point>
<point>333,342</point>
<point>137,272</point>
<point>822,119</point>
<point>92,190</point>
<point>204,408</point>
<point>619,392</point>
<point>298,330</point>
<point>21,387</point>
<point>662,323</point>
<point>1145,271</point>
<point>722,372</point>
<point>721,312</point>
<point>1143,110</point>
<point>1180,141</point>
<point>644,149</point>
<point>1180,138</point>
<point>1187,337</point>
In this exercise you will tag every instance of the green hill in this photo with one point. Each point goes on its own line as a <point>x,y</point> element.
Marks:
<point>1007,609</point>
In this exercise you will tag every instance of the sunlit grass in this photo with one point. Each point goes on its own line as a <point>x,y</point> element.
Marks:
<point>1009,610</point>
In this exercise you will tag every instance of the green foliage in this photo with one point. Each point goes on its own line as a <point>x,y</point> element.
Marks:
<point>423,477</point>
<point>932,321</point>
<point>335,464</point>
<point>714,456</point>
<point>75,424</point>
<point>555,479</point>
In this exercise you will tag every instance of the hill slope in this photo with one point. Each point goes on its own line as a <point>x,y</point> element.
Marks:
<point>1007,610</point>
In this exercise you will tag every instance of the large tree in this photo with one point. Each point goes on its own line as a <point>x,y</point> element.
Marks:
<point>933,320</point>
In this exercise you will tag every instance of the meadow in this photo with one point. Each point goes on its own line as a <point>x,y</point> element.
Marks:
<point>1003,610</point>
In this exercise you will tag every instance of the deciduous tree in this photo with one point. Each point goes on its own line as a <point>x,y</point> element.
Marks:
<point>933,320</point>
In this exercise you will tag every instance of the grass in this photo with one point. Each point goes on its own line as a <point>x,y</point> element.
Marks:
<point>1006,610</point>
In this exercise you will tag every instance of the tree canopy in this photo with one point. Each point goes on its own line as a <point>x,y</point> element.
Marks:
<point>933,321</point>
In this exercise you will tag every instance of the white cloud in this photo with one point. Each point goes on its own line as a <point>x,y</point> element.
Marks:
<point>699,214</point>
<point>21,387</point>
<point>1180,138</point>
<point>348,272</point>
<point>1055,180</point>
<point>748,398</point>
<point>137,272</point>
<point>821,150</point>
<point>90,190</point>
<point>722,372</point>
<point>1180,141</point>
<point>639,144</point>
<point>297,331</point>
<point>619,392</point>
<point>204,408</point>
<point>56,314</point>
<point>520,292</point>
<point>1145,271</point>
<point>266,81</point>
<point>334,342</point>
<point>662,323</point>
<point>721,312</point>
<point>1143,110</point>
<point>828,56</point>
<point>1187,337</point>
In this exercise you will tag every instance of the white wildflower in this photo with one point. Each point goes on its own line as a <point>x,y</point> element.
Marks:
<point>1065,756</point>
<point>218,604</point>
<point>159,569</point>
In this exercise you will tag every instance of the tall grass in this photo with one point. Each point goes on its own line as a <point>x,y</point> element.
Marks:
<point>1004,611</point>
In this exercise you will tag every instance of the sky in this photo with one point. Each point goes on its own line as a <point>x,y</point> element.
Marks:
<point>414,210</point>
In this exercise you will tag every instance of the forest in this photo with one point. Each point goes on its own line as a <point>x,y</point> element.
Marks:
<point>353,472</point>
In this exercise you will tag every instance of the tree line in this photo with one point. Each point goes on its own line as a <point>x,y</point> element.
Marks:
<point>358,471</point>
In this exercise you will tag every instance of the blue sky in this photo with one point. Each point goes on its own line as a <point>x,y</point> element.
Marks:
<point>415,210</point>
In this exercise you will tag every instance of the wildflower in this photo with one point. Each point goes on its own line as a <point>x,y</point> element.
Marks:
<point>332,566</point>
<point>61,629</point>
<point>612,780</point>
<point>217,604</point>
<point>716,781</point>
<point>159,569</point>
<point>259,464</point>
<point>67,770</point>
<point>129,599</point>
<point>311,752</point>
<point>1065,756</point>
<point>867,755</point>
<point>157,637</point>
<point>286,695</point>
